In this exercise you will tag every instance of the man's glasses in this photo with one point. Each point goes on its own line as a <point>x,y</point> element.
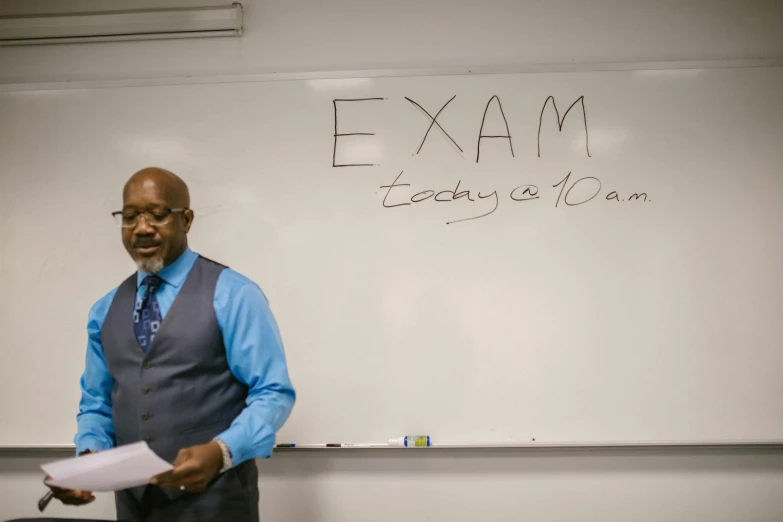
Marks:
<point>154,218</point>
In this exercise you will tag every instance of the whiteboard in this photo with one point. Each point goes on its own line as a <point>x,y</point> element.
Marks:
<point>612,272</point>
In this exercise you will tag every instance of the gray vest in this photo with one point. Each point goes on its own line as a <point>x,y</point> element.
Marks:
<point>181,392</point>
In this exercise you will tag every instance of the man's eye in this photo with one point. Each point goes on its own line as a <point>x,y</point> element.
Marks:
<point>159,216</point>
<point>129,217</point>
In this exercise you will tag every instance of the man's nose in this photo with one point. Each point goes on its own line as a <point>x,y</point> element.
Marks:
<point>143,228</point>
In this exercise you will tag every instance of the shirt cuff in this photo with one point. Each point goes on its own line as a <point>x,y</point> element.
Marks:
<point>242,450</point>
<point>92,443</point>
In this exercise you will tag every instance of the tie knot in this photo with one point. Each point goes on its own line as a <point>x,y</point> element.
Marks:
<point>152,282</point>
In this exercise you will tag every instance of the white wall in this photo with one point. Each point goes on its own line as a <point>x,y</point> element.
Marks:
<point>310,35</point>
<point>302,36</point>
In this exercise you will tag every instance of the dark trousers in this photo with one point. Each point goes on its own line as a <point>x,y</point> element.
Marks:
<point>232,496</point>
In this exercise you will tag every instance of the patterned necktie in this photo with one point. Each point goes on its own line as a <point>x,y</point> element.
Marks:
<point>146,316</point>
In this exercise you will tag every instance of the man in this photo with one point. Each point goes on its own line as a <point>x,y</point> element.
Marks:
<point>185,355</point>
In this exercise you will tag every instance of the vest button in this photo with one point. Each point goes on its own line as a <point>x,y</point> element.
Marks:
<point>145,416</point>
<point>147,365</point>
<point>145,390</point>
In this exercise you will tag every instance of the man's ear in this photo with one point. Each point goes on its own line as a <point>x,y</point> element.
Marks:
<point>189,216</point>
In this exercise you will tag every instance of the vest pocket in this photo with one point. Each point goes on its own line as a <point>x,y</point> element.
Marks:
<point>209,429</point>
<point>124,418</point>
<point>186,409</point>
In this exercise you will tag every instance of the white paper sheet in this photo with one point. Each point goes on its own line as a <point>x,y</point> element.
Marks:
<point>111,470</point>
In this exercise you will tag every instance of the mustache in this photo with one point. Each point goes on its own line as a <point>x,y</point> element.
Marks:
<point>141,243</point>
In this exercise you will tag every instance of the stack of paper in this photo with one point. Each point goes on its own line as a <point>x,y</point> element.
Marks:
<point>111,470</point>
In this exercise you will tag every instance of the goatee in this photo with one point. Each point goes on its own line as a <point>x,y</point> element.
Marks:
<point>149,266</point>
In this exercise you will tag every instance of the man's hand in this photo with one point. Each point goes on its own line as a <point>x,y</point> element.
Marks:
<point>194,468</point>
<point>70,497</point>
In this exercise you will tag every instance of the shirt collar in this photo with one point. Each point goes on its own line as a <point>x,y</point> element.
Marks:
<point>176,273</point>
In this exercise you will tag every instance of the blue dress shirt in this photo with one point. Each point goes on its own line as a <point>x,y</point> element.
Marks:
<point>253,348</point>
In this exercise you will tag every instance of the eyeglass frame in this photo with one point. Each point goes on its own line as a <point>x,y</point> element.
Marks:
<point>145,214</point>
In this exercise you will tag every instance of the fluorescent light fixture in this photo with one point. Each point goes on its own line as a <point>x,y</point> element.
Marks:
<point>145,24</point>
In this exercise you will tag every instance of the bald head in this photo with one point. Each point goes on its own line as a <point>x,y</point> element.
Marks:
<point>159,237</point>
<point>165,181</point>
